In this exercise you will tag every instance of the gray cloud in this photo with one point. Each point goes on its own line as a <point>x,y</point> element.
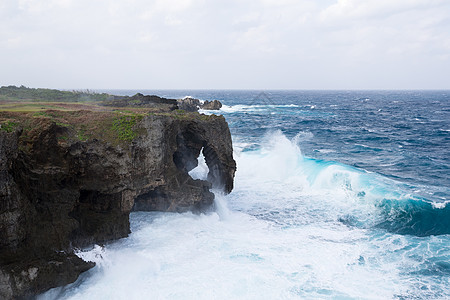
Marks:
<point>344,44</point>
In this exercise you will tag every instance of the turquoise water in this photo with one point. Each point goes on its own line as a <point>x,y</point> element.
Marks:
<point>338,195</point>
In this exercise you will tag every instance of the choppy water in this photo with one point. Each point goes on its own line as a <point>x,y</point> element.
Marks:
<point>338,195</point>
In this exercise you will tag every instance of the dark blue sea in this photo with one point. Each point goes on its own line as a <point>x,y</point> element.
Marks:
<point>338,195</point>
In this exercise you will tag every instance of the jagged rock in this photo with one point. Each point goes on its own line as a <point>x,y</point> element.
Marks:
<point>58,195</point>
<point>192,104</point>
<point>188,104</point>
<point>212,105</point>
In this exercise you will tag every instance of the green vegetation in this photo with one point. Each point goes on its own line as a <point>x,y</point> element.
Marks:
<point>8,126</point>
<point>82,133</point>
<point>41,108</point>
<point>123,126</point>
<point>42,114</point>
<point>62,124</point>
<point>22,93</point>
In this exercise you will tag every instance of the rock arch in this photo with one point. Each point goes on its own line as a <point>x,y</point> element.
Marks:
<point>217,150</point>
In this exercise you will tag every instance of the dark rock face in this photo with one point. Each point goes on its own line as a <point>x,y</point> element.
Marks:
<point>29,258</point>
<point>192,104</point>
<point>61,195</point>
<point>212,105</point>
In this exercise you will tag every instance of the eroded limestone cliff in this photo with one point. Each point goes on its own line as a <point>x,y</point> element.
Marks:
<point>59,193</point>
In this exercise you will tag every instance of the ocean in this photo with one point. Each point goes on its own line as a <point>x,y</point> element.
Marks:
<point>338,195</point>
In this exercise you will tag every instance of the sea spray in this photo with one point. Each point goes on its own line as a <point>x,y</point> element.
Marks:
<point>359,197</point>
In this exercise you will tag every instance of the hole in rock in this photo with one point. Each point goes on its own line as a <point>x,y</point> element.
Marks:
<point>188,149</point>
<point>201,170</point>
<point>198,159</point>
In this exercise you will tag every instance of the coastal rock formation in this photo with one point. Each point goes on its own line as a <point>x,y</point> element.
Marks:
<point>212,105</point>
<point>57,193</point>
<point>188,104</point>
<point>192,104</point>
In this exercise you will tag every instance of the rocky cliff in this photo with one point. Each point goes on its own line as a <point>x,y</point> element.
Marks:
<point>60,190</point>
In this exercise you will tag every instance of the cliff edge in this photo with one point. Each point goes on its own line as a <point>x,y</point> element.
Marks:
<point>70,177</point>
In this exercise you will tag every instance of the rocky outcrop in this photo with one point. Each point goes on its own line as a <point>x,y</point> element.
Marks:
<point>212,105</point>
<point>57,194</point>
<point>188,104</point>
<point>192,104</point>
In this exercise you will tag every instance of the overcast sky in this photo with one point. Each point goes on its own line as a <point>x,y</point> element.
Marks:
<point>225,44</point>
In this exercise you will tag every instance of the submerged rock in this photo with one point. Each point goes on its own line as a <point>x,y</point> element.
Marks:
<point>57,193</point>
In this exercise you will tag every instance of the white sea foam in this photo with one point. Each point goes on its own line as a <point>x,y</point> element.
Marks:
<point>201,171</point>
<point>185,256</point>
<point>253,108</point>
<point>325,150</point>
<point>440,205</point>
<point>303,136</point>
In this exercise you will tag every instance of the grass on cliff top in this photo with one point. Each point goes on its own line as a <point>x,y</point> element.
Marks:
<point>80,121</point>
